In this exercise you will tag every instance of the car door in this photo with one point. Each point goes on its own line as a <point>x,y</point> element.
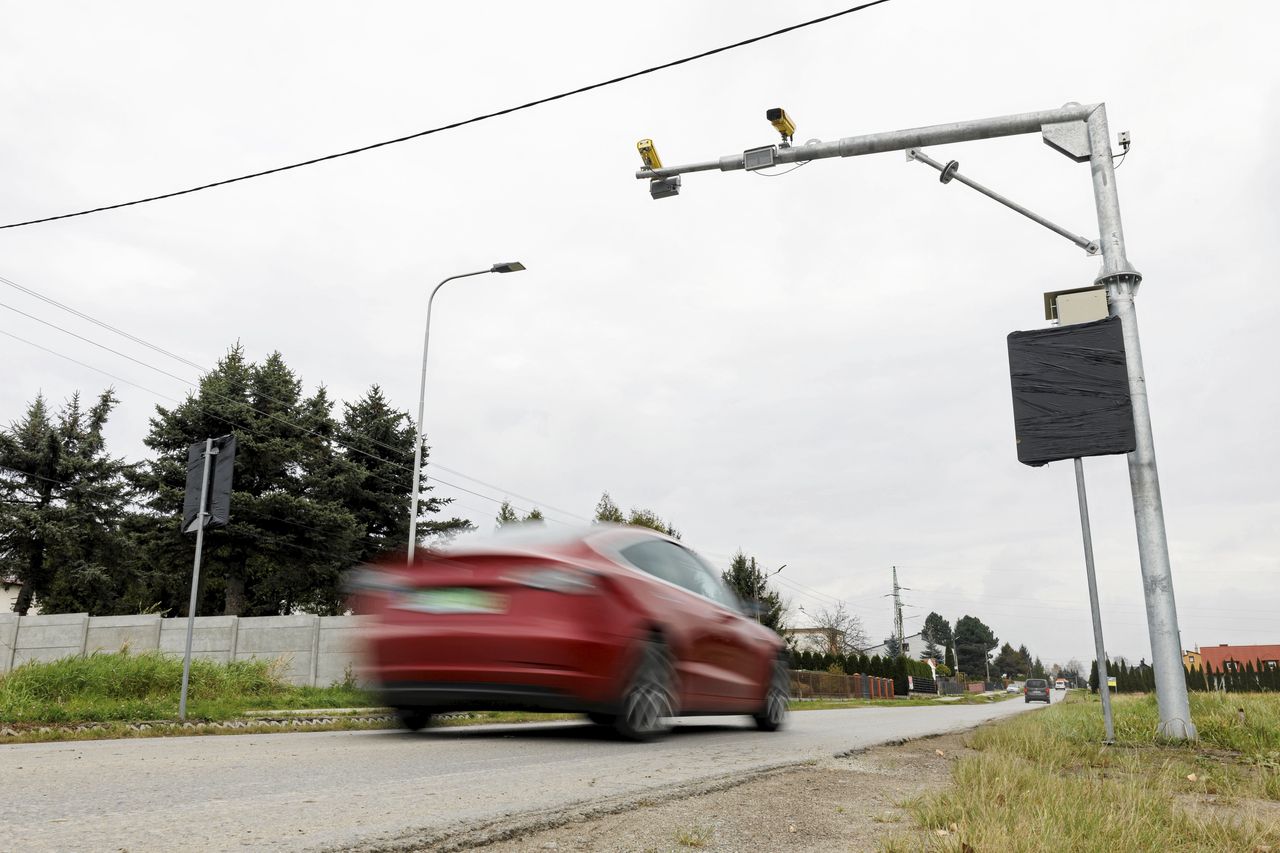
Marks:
<point>687,616</point>
<point>743,659</point>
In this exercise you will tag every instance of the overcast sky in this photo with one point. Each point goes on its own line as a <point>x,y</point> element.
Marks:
<point>810,367</point>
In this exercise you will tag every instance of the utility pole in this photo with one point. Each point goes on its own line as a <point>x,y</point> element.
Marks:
<point>1081,133</point>
<point>897,610</point>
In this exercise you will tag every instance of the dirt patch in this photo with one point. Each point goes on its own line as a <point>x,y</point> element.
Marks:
<point>851,802</point>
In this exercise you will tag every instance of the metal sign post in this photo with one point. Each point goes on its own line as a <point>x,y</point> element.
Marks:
<point>195,575</point>
<point>1098,647</point>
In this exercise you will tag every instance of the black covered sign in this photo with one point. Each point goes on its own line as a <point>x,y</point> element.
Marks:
<point>219,501</point>
<point>1070,392</point>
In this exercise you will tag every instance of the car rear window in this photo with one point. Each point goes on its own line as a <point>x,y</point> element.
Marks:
<point>1037,682</point>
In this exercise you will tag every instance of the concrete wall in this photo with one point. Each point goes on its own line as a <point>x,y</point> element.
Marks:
<point>312,650</point>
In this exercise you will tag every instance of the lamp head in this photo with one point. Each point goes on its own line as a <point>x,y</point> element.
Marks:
<point>510,266</point>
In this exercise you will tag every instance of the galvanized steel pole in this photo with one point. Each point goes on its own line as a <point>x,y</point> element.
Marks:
<point>195,577</point>
<point>1104,689</point>
<point>1121,281</point>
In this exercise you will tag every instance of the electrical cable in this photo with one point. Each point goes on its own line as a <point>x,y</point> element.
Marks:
<point>205,370</point>
<point>225,398</point>
<point>474,120</point>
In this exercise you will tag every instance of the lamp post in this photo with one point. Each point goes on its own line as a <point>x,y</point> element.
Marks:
<point>513,266</point>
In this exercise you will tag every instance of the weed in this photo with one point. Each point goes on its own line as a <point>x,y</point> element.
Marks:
<point>695,836</point>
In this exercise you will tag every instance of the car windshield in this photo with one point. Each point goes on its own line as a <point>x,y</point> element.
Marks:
<point>1037,682</point>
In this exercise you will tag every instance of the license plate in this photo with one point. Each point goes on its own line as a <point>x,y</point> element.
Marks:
<point>455,600</point>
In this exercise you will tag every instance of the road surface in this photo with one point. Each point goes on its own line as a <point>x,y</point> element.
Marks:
<point>385,789</point>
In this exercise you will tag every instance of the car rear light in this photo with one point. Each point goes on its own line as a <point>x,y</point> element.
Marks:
<point>556,579</point>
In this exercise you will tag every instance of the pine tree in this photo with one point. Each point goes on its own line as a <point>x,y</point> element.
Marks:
<point>63,506</point>
<point>607,511</point>
<point>507,515</point>
<point>746,579</point>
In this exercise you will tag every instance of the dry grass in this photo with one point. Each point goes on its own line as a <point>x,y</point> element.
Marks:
<point>1047,776</point>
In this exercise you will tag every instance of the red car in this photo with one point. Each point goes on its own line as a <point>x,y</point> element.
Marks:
<point>623,624</point>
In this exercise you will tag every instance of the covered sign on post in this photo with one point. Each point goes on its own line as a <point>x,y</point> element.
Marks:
<point>218,503</point>
<point>1071,392</point>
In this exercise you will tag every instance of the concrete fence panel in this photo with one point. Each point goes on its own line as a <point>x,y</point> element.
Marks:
<point>315,650</point>
<point>339,648</point>
<point>113,633</point>
<point>8,639</point>
<point>214,637</point>
<point>293,639</point>
<point>46,638</point>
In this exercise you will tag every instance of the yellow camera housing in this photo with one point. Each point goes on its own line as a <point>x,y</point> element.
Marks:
<point>649,154</point>
<point>781,122</point>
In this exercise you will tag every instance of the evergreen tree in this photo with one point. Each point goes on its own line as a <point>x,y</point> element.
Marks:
<point>63,502</point>
<point>535,516</point>
<point>607,511</point>
<point>936,634</point>
<point>746,579</point>
<point>1093,677</point>
<point>974,641</point>
<point>892,648</point>
<point>303,509</point>
<point>507,515</point>
<point>372,475</point>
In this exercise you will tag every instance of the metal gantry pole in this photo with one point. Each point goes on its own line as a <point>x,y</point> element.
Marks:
<point>195,578</point>
<point>1121,281</point>
<point>1099,648</point>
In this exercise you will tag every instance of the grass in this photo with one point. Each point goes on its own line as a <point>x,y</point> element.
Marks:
<point>694,836</point>
<point>1047,776</point>
<point>910,702</point>
<point>120,686</point>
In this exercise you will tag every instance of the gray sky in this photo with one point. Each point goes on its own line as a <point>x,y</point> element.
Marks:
<point>810,367</point>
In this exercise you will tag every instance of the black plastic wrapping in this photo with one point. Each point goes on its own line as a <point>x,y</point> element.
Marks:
<point>1070,392</point>
<point>219,505</point>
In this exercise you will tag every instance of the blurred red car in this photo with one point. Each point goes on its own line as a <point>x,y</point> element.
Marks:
<point>623,624</point>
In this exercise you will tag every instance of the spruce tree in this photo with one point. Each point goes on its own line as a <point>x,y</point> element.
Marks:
<point>63,503</point>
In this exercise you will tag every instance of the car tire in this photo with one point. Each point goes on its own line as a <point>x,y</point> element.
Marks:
<point>414,719</point>
<point>648,703</point>
<point>777,699</point>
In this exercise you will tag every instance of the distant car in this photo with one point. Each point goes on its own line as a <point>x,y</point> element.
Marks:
<point>623,624</point>
<point>1060,684</point>
<point>1036,690</point>
<point>1013,688</point>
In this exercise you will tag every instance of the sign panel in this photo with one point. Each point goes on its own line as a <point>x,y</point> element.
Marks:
<point>218,504</point>
<point>1070,392</point>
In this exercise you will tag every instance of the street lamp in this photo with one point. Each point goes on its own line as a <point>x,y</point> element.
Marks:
<point>512,266</point>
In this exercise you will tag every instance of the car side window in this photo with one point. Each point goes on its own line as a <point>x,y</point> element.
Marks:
<point>652,558</point>
<point>707,582</point>
<point>680,566</point>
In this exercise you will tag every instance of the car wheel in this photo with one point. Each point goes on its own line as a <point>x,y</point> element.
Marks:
<point>776,699</point>
<point>414,719</point>
<point>649,700</point>
<point>602,719</point>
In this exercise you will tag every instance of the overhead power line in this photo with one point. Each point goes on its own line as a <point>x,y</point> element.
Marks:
<point>454,125</point>
<point>375,442</point>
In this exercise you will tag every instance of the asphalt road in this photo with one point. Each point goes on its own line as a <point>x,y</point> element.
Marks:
<point>342,790</point>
